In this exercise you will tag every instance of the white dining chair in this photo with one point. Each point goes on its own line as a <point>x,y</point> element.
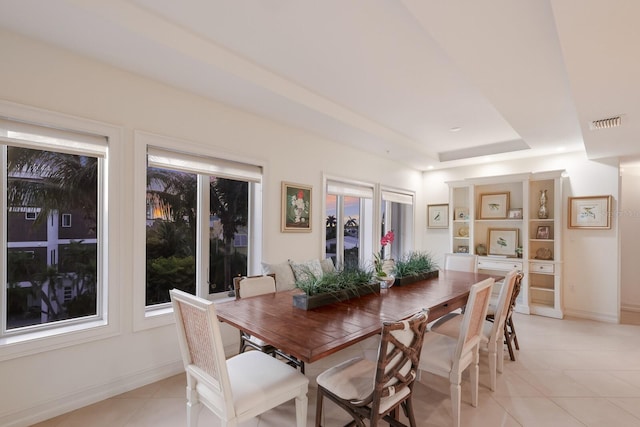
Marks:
<point>461,262</point>
<point>492,341</point>
<point>449,357</point>
<point>237,389</point>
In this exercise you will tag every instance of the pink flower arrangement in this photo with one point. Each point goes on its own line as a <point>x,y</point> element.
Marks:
<point>378,261</point>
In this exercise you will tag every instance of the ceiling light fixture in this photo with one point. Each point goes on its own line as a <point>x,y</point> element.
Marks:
<point>610,122</point>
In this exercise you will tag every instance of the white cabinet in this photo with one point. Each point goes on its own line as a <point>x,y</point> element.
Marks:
<point>517,223</point>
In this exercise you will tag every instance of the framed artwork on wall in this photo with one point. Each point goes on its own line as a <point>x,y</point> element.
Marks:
<point>593,212</point>
<point>494,205</point>
<point>296,208</point>
<point>503,241</point>
<point>438,216</point>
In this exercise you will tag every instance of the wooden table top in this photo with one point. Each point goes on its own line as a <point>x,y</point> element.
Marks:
<point>313,334</point>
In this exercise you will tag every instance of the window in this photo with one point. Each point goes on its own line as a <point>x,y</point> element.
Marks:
<point>181,247</point>
<point>397,215</point>
<point>46,170</point>
<point>66,220</point>
<point>349,222</point>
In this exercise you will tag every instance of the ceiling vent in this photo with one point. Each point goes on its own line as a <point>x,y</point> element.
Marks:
<point>611,122</point>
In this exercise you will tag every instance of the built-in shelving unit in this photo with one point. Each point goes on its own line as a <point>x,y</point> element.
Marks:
<point>538,239</point>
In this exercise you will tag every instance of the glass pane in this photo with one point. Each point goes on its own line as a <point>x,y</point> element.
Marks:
<point>351,231</point>
<point>171,233</point>
<point>331,230</point>
<point>51,269</point>
<point>228,232</point>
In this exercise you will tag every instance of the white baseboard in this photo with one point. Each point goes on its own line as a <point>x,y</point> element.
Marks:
<point>590,315</point>
<point>70,402</point>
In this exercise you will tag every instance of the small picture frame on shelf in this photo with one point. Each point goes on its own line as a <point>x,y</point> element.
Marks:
<point>461,214</point>
<point>515,213</point>
<point>544,232</point>
<point>494,205</point>
<point>463,249</point>
<point>438,216</point>
<point>503,241</point>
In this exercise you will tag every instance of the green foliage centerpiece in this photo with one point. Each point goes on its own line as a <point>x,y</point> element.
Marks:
<point>414,266</point>
<point>339,285</point>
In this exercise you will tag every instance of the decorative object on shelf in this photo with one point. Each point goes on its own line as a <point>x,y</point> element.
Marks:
<point>519,251</point>
<point>296,208</point>
<point>503,241</point>
<point>515,213</point>
<point>494,205</point>
<point>544,232</point>
<point>481,249</point>
<point>463,249</point>
<point>544,253</point>
<point>461,214</point>
<point>463,232</point>
<point>413,267</point>
<point>593,212</point>
<point>543,212</point>
<point>438,216</point>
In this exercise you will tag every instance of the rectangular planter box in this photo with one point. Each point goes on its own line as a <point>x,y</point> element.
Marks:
<point>412,279</point>
<point>306,302</point>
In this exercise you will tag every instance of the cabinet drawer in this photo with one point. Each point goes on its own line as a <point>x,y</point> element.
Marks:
<point>540,267</point>
<point>499,264</point>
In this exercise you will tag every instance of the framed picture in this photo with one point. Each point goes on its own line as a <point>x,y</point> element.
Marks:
<point>503,241</point>
<point>296,208</point>
<point>461,213</point>
<point>544,232</point>
<point>515,213</point>
<point>592,212</point>
<point>438,216</point>
<point>494,205</point>
<point>463,249</point>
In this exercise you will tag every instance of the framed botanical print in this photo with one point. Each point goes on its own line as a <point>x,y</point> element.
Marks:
<point>296,208</point>
<point>592,212</point>
<point>438,216</point>
<point>494,205</point>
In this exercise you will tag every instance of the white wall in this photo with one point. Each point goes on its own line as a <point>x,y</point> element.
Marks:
<point>629,217</point>
<point>50,382</point>
<point>591,257</point>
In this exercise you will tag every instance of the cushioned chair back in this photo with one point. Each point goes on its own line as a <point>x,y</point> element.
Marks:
<point>473,320</point>
<point>201,346</point>
<point>502,307</point>
<point>254,285</point>
<point>461,262</point>
<point>398,358</point>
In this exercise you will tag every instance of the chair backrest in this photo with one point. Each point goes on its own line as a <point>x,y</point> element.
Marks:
<point>502,306</point>
<point>254,285</point>
<point>461,262</point>
<point>398,358</point>
<point>474,315</point>
<point>201,347</point>
<point>516,290</point>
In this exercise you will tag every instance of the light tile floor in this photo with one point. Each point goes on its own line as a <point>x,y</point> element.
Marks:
<point>569,373</point>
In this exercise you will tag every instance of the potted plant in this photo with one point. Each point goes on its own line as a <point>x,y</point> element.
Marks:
<point>413,267</point>
<point>340,285</point>
<point>379,262</point>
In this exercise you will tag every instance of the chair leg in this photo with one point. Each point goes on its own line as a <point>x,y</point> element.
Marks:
<point>507,341</point>
<point>455,402</point>
<point>301,409</point>
<point>513,333</point>
<point>408,411</point>
<point>319,406</point>
<point>493,356</point>
<point>193,406</point>
<point>475,376</point>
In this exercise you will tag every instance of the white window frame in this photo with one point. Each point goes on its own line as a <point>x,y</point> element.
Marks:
<point>364,190</point>
<point>388,196</point>
<point>61,335</point>
<point>187,154</point>
<point>66,220</point>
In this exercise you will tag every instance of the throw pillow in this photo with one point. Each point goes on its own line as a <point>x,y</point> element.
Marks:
<point>284,276</point>
<point>302,270</point>
<point>327,265</point>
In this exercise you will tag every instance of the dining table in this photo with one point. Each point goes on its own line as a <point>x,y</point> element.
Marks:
<point>310,335</point>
